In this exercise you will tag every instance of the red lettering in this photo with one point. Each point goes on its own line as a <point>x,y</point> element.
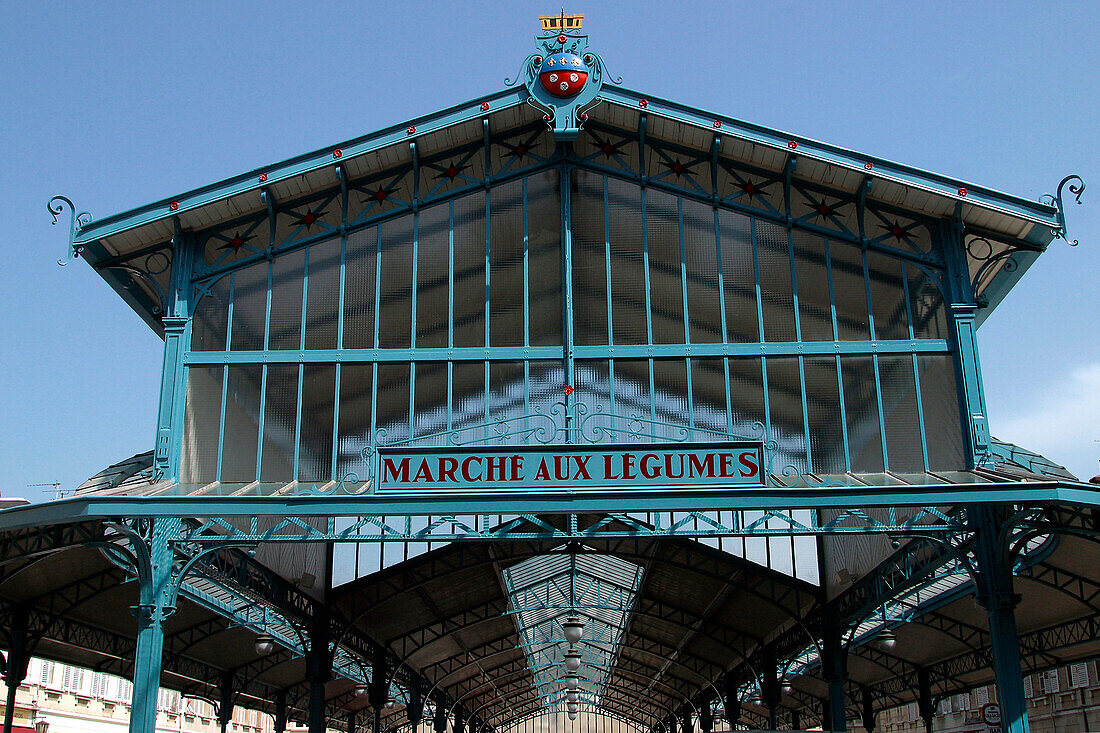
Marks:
<point>543,474</point>
<point>447,468</point>
<point>399,473</point>
<point>495,467</point>
<point>647,471</point>
<point>582,468</point>
<point>516,464</point>
<point>466,468</point>
<point>608,472</point>
<point>561,473</point>
<point>701,468</point>
<point>425,473</point>
<point>628,465</point>
<point>668,465</point>
<point>726,461</point>
<point>748,460</point>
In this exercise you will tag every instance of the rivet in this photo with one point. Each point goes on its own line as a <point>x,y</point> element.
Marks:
<point>869,166</point>
<point>484,106</point>
<point>263,177</point>
<point>792,144</point>
<point>643,103</point>
<point>337,153</point>
<point>174,205</point>
<point>962,191</point>
<point>718,123</point>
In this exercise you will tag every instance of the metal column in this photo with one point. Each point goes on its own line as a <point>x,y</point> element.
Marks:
<point>995,592</point>
<point>834,666</point>
<point>15,668</point>
<point>158,602</point>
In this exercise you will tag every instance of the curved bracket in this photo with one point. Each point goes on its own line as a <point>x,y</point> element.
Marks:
<point>56,206</point>
<point>1058,203</point>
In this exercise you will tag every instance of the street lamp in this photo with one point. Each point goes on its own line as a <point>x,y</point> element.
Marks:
<point>572,660</point>
<point>41,725</point>
<point>887,640</point>
<point>264,645</point>
<point>573,628</point>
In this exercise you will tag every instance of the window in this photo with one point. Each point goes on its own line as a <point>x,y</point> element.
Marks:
<point>1048,682</point>
<point>1079,675</point>
<point>1029,688</point>
<point>981,696</point>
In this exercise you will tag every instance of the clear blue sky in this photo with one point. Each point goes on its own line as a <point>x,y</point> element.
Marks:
<point>119,104</point>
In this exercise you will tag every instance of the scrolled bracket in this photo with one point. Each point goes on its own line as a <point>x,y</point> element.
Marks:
<point>1058,203</point>
<point>56,207</point>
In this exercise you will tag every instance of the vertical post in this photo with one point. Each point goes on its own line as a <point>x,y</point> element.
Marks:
<point>925,705</point>
<point>177,324</point>
<point>867,710</point>
<point>225,701</point>
<point>731,703</point>
<point>706,717</point>
<point>796,719</point>
<point>18,657</point>
<point>415,708</point>
<point>280,711</point>
<point>567,283</point>
<point>835,669</point>
<point>351,721</point>
<point>770,690</point>
<point>318,668</point>
<point>459,724</point>
<point>158,599</point>
<point>834,666</point>
<point>995,593</point>
<point>439,721</point>
<point>962,311</point>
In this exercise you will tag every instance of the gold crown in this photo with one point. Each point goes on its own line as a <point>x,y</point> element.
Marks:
<point>562,22</point>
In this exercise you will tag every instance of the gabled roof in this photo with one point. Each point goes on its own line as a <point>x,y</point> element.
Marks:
<point>1001,220</point>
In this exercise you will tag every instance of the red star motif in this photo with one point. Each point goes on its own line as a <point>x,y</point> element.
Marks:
<point>824,210</point>
<point>311,217</point>
<point>568,389</point>
<point>379,196</point>
<point>236,242</point>
<point>609,149</point>
<point>452,171</point>
<point>678,168</point>
<point>520,150</point>
<point>751,189</point>
<point>896,230</point>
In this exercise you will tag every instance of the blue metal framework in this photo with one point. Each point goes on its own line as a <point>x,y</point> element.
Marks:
<point>613,268</point>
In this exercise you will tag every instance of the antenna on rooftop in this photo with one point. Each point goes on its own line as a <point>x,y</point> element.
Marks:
<point>57,492</point>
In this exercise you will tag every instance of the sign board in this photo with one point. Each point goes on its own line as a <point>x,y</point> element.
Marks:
<point>991,714</point>
<point>569,467</point>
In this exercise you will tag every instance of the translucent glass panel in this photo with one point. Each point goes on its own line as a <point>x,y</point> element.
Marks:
<point>653,268</point>
<point>310,422</point>
<point>826,414</point>
<point>440,278</point>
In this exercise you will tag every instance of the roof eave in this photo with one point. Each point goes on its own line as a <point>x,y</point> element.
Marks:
<point>934,183</point>
<point>299,165</point>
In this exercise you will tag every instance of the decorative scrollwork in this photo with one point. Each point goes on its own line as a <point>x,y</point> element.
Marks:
<point>563,424</point>
<point>982,250</point>
<point>1058,203</point>
<point>56,206</point>
<point>139,274</point>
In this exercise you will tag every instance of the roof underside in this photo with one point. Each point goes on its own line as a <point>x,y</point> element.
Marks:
<point>995,222</point>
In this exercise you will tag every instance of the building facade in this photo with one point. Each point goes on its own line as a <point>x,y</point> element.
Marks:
<point>569,406</point>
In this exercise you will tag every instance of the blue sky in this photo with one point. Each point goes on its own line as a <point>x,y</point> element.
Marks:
<point>119,104</point>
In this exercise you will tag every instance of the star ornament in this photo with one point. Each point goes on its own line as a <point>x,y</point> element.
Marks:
<point>236,242</point>
<point>380,195</point>
<point>896,230</point>
<point>451,172</point>
<point>310,218</point>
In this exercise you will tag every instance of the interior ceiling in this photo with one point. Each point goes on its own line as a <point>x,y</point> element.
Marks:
<point>686,613</point>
